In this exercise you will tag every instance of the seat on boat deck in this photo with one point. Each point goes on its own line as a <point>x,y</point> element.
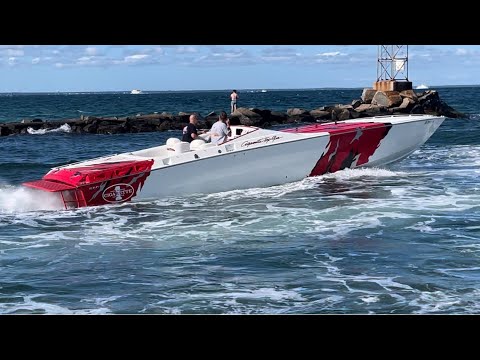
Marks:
<point>175,146</point>
<point>196,144</point>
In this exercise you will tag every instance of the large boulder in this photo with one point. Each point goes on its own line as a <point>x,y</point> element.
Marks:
<point>320,114</point>
<point>407,103</point>
<point>246,117</point>
<point>409,94</point>
<point>111,129</point>
<point>277,117</point>
<point>356,103</point>
<point>297,112</point>
<point>5,130</point>
<point>387,98</point>
<point>363,107</point>
<point>245,112</point>
<point>429,95</point>
<point>373,110</point>
<point>343,115</point>
<point>367,95</point>
<point>417,109</point>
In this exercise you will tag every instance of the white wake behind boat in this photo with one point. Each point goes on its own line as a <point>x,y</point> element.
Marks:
<point>252,157</point>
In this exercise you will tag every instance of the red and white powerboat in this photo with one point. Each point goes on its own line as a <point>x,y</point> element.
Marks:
<point>252,157</point>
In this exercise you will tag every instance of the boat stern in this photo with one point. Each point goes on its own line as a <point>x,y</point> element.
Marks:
<point>95,184</point>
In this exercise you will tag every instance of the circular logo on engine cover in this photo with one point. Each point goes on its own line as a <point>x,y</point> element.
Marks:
<point>118,193</point>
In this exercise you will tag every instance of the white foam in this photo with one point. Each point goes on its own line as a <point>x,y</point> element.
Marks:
<point>21,199</point>
<point>437,301</point>
<point>29,306</point>
<point>64,128</point>
<point>307,183</point>
<point>369,299</point>
<point>349,174</point>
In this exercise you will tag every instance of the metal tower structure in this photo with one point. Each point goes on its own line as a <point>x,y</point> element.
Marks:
<point>392,63</point>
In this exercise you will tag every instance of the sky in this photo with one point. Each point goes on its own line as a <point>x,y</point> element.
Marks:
<point>50,68</point>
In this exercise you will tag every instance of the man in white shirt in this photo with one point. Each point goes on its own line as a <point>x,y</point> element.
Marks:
<point>219,130</point>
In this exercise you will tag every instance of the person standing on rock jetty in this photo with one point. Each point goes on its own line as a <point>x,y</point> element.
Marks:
<point>233,104</point>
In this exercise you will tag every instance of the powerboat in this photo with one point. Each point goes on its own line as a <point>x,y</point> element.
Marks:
<point>136,91</point>
<point>250,157</point>
<point>421,87</point>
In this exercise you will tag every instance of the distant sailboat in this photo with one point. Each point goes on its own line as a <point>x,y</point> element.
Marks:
<point>421,87</point>
<point>136,91</point>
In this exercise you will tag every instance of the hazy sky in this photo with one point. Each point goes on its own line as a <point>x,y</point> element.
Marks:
<point>33,68</point>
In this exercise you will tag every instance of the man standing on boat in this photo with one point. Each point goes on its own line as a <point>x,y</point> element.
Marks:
<point>219,131</point>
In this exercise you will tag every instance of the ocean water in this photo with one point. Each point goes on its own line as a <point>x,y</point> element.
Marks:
<point>398,240</point>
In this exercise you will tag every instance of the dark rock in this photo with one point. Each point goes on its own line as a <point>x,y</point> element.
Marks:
<point>374,110</point>
<point>265,114</point>
<point>245,112</point>
<point>90,120</point>
<point>417,109</point>
<point>297,112</point>
<point>429,95</point>
<point>90,128</point>
<point>407,104</point>
<point>277,117</point>
<point>409,94</point>
<point>244,120</point>
<point>111,129</point>
<point>354,114</point>
<point>5,130</point>
<point>387,98</point>
<point>166,125</point>
<point>343,115</point>
<point>320,114</point>
<point>356,103</point>
<point>236,121</point>
<point>246,117</point>
<point>367,95</point>
<point>364,107</point>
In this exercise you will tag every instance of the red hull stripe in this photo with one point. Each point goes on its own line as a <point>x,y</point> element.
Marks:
<point>350,145</point>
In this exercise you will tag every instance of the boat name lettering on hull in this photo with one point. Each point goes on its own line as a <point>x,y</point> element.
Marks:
<point>265,140</point>
<point>118,192</point>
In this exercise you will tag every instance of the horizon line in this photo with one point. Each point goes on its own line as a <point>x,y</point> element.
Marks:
<point>189,90</point>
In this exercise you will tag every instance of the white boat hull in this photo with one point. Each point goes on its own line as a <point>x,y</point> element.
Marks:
<point>258,167</point>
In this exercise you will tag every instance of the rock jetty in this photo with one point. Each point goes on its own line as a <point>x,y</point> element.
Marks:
<point>371,103</point>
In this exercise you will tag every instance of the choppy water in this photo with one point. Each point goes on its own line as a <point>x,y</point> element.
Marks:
<point>403,239</point>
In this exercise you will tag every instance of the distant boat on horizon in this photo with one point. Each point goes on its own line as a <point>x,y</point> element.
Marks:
<point>264,90</point>
<point>136,91</point>
<point>421,87</point>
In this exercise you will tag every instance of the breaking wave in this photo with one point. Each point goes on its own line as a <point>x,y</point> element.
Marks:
<point>64,128</point>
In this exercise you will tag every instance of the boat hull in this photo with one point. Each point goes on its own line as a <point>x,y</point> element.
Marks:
<point>257,167</point>
<point>255,158</point>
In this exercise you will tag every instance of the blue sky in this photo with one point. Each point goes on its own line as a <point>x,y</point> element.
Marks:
<point>32,68</point>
